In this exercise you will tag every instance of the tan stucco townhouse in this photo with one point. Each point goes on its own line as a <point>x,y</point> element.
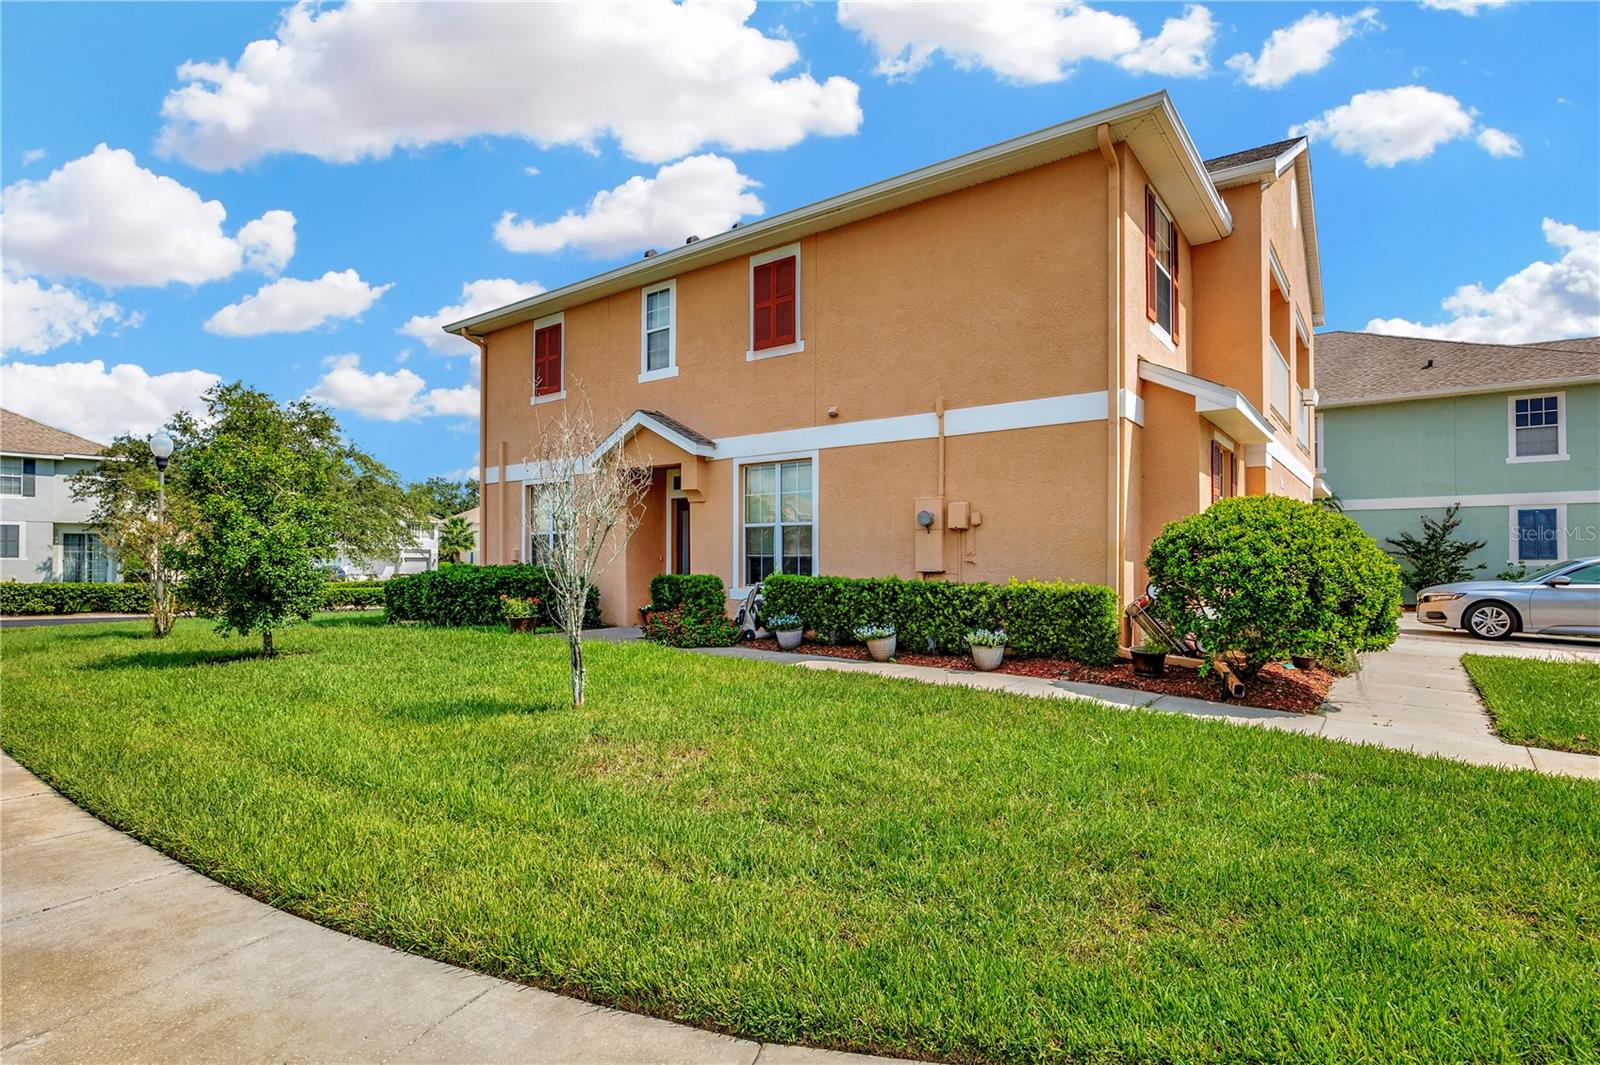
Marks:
<point>1021,362</point>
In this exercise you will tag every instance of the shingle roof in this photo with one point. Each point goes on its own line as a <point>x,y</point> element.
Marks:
<point>21,435</point>
<point>1251,155</point>
<point>677,426</point>
<point>1369,367</point>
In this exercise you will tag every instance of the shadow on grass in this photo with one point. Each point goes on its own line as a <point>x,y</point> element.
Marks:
<point>188,659</point>
<point>349,619</point>
<point>464,708</point>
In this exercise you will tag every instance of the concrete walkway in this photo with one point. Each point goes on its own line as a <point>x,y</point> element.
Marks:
<point>1413,697</point>
<point>114,953</point>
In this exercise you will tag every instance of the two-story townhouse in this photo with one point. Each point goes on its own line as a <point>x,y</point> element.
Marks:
<point>1511,432</point>
<point>1021,362</point>
<point>44,532</point>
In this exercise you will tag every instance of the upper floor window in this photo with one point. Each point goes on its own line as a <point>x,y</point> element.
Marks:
<point>1538,432</point>
<point>1161,266</point>
<point>548,369</point>
<point>1294,202</point>
<point>779,519</point>
<point>658,346</point>
<point>17,476</point>
<point>775,303</point>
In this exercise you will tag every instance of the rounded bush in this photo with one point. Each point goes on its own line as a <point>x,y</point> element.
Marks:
<point>1260,578</point>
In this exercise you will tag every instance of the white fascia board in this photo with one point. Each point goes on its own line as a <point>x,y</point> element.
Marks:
<point>1223,406</point>
<point>1494,499</point>
<point>640,419</point>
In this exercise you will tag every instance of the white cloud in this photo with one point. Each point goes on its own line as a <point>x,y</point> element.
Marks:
<point>1542,301</point>
<point>1302,48</point>
<point>92,401</point>
<point>476,296</point>
<point>360,80</point>
<point>531,171</point>
<point>697,196</point>
<point>1389,126</point>
<point>1024,42</point>
<point>1464,7</point>
<point>1499,143</point>
<point>105,218</point>
<point>33,155</point>
<point>37,318</point>
<point>289,305</point>
<point>389,397</point>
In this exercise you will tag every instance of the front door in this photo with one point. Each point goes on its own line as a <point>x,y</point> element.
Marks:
<point>680,535</point>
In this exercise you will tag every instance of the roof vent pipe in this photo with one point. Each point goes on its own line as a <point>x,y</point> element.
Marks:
<point>649,253</point>
<point>691,240</point>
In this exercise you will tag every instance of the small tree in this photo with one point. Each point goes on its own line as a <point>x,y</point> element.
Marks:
<point>456,538</point>
<point>124,491</point>
<point>1260,578</point>
<point>590,502</point>
<point>274,490</point>
<point>1436,557</point>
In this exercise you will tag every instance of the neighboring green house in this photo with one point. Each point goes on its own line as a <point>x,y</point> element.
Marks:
<point>1406,427</point>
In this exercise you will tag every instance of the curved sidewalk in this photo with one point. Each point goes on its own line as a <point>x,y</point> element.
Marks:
<point>115,953</point>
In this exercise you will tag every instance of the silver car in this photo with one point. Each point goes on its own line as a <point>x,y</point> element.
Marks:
<point>1563,599</point>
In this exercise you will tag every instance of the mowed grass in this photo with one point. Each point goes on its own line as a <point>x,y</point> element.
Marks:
<point>1540,703</point>
<point>846,861</point>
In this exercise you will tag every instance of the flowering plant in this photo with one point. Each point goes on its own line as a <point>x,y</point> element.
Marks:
<point>877,631</point>
<point>987,637</point>
<point>785,623</point>
<point>517,607</point>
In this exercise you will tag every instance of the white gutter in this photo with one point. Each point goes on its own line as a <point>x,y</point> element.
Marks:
<point>1324,403</point>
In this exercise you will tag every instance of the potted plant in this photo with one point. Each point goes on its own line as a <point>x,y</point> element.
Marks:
<point>879,639</point>
<point>788,628</point>
<point>522,615</point>
<point>988,647</point>
<point>1150,658</point>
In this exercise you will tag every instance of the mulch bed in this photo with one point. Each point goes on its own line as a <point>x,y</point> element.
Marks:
<point>1279,687</point>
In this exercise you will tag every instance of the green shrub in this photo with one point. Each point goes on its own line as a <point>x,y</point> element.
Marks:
<point>74,598</point>
<point>687,626</point>
<point>470,595</point>
<point>703,592</point>
<point>1260,578</point>
<point>1041,618</point>
<point>360,594</point>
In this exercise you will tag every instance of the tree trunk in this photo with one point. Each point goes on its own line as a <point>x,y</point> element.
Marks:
<point>266,643</point>
<point>575,645</point>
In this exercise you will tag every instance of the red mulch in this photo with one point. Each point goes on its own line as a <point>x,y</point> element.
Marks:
<point>1299,691</point>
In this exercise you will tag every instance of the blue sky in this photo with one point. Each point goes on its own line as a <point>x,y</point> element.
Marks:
<point>1452,146</point>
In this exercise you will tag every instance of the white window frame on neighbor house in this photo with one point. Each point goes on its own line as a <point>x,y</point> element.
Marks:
<point>559,318</point>
<point>1561,531</point>
<point>21,475</point>
<point>799,345</point>
<point>1561,427</point>
<point>22,538</point>
<point>737,584</point>
<point>671,368</point>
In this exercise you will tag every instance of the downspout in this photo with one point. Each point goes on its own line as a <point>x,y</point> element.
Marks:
<point>1115,503</point>
<point>483,436</point>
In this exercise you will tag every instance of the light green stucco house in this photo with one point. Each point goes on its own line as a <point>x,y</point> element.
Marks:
<point>1407,427</point>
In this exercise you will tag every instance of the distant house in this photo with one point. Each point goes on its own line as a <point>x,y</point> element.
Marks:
<point>44,532</point>
<point>417,555</point>
<point>1511,432</point>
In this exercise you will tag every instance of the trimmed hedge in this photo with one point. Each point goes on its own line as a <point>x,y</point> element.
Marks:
<point>685,626</point>
<point>1041,618</point>
<point>130,597</point>
<point>470,595</point>
<point>701,592</point>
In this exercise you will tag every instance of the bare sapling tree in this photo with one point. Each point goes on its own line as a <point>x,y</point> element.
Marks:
<point>587,499</point>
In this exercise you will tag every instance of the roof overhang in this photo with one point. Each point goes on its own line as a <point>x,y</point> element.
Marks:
<point>1149,125</point>
<point>641,419</point>
<point>1296,157</point>
<point>1224,407</point>
<point>1324,403</point>
<point>15,454</point>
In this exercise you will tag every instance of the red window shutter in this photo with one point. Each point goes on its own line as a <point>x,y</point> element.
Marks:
<point>547,360</point>
<point>1149,254</point>
<point>1175,257</point>
<point>1216,471</point>
<point>772,318</point>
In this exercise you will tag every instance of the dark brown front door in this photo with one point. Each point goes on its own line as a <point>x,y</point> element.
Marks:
<point>680,535</point>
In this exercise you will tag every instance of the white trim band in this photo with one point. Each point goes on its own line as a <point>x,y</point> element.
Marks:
<point>1498,499</point>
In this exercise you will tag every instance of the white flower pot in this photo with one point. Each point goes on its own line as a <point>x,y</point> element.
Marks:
<point>789,639</point>
<point>881,650</point>
<point>987,658</point>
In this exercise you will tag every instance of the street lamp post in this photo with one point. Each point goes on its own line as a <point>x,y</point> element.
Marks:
<point>161,448</point>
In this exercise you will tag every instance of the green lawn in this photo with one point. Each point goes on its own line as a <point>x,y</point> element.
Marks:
<point>842,860</point>
<point>1540,703</point>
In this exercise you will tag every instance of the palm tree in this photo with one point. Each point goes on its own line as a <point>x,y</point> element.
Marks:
<point>455,537</point>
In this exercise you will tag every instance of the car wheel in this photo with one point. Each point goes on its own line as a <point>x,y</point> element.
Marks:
<point>1490,621</point>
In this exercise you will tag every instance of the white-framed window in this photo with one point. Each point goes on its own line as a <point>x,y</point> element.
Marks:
<point>775,304</point>
<point>1322,465</point>
<point>549,359</point>
<point>17,476</point>
<point>1278,394</point>
<point>1539,533</point>
<point>1294,201</point>
<point>84,557</point>
<point>776,517</point>
<point>1536,427</point>
<point>1161,267</point>
<point>11,540</point>
<point>658,331</point>
<point>548,514</point>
